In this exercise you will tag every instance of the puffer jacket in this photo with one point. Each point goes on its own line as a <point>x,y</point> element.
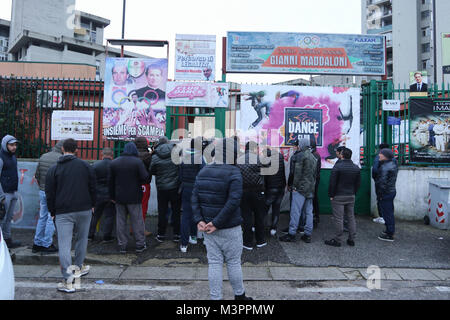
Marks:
<point>250,167</point>
<point>305,174</point>
<point>163,168</point>
<point>387,178</point>
<point>296,157</point>
<point>345,179</point>
<point>146,157</point>
<point>193,163</point>
<point>278,180</point>
<point>217,195</point>
<point>46,161</point>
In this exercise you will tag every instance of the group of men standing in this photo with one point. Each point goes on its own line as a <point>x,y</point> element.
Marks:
<point>228,200</point>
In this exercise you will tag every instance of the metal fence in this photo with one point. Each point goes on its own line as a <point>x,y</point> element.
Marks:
<point>376,129</point>
<point>26,106</point>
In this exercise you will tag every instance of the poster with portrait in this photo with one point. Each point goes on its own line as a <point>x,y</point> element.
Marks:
<point>429,131</point>
<point>135,98</point>
<point>418,84</point>
<point>195,57</point>
<point>280,115</point>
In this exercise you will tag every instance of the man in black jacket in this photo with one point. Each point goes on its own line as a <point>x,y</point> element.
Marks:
<point>104,204</point>
<point>316,207</point>
<point>127,176</point>
<point>386,191</point>
<point>253,199</point>
<point>71,196</point>
<point>345,181</point>
<point>275,186</point>
<point>216,201</point>
<point>146,157</point>
<point>166,173</point>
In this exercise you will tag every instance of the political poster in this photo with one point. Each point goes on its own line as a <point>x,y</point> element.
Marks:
<point>78,125</point>
<point>418,83</point>
<point>305,53</point>
<point>135,98</point>
<point>197,94</point>
<point>280,115</point>
<point>430,131</point>
<point>195,57</point>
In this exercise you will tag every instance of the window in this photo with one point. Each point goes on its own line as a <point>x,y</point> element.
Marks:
<point>426,48</point>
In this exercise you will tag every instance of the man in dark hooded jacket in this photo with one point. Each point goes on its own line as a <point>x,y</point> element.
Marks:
<point>128,174</point>
<point>45,228</point>
<point>167,181</point>
<point>146,157</point>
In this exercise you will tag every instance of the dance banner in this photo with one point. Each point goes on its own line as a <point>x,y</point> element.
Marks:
<point>135,98</point>
<point>197,94</point>
<point>306,53</point>
<point>280,115</point>
<point>430,131</point>
<point>195,57</point>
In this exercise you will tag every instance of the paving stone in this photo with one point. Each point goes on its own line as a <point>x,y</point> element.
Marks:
<point>416,274</point>
<point>22,271</point>
<point>305,274</point>
<point>351,274</point>
<point>442,274</point>
<point>157,273</point>
<point>386,274</point>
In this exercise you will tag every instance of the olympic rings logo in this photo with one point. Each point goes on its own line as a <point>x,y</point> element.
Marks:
<point>115,94</point>
<point>149,101</point>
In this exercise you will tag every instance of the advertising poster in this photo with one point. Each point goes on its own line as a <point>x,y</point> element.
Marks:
<point>279,115</point>
<point>430,130</point>
<point>195,57</point>
<point>418,83</point>
<point>197,94</point>
<point>301,53</point>
<point>78,125</point>
<point>446,52</point>
<point>134,100</point>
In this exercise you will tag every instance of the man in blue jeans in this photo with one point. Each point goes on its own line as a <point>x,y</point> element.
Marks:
<point>386,191</point>
<point>43,239</point>
<point>190,167</point>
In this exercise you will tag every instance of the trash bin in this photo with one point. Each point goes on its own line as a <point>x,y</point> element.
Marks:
<point>439,203</point>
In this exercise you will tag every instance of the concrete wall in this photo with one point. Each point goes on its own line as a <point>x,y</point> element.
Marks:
<point>47,70</point>
<point>411,203</point>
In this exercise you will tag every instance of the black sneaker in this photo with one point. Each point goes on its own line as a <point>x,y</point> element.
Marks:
<point>141,249</point>
<point>306,238</point>
<point>49,250</point>
<point>285,230</point>
<point>351,243</point>
<point>287,238</point>
<point>386,237</point>
<point>36,249</point>
<point>160,239</point>
<point>333,243</point>
<point>12,244</point>
<point>243,298</point>
<point>176,238</point>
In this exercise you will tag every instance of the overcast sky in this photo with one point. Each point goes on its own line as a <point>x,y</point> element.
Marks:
<point>161,20</point>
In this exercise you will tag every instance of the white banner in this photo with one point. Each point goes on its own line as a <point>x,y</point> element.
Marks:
<point>195,57</point>
<point>78,125</point>
<point>391,105</point>
<point>197,94</point>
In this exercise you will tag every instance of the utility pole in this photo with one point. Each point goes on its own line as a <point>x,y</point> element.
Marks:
<point>435,42</point>
<point>123,25</point>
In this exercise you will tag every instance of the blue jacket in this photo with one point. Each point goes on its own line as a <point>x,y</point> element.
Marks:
<point>9,177</point>
<point>376,166</point>
<point>192,164</point>
<point>217,196</point>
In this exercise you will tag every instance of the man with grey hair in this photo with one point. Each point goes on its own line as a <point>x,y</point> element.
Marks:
<point>45,228</point>
<point>303,186</point>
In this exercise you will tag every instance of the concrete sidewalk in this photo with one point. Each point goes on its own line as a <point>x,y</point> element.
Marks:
<point>416,247</point>
<point>178,273</point>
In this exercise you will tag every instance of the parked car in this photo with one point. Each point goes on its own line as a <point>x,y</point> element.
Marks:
<point>6,272</point>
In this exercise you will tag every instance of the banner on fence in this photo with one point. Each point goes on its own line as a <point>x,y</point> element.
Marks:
<point>134,100</point>
<point>195,57</point>
<point>197,94</point>
<point>279,115</point>
<point>78,125</point>
<point>305,53</point>
<point>430,131</point>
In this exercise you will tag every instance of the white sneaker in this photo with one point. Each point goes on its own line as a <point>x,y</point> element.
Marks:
<point>248,248</point>
<point>253,229</point>
<point>183,249</point>
<point>85,270</point>
<point>193,240</point>
<point>273,232</point>
<point>379,220</point>
<point>66,287</point>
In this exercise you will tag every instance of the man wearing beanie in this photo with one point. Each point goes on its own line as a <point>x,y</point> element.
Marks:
<point>386,192</point>
<point>303,186</point>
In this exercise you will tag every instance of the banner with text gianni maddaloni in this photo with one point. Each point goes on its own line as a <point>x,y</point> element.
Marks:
<point>280,115</point>
<point>301,53</point>
<point>134,100</point>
